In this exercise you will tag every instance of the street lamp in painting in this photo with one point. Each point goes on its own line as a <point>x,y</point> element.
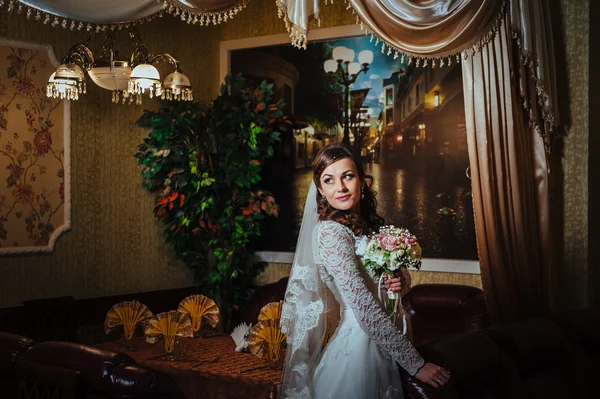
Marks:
<point>343,66</point>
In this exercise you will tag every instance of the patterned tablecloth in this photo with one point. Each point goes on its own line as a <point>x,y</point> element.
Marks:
<point>210,368</point>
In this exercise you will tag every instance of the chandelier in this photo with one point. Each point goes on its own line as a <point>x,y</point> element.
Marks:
<point>127,79</point>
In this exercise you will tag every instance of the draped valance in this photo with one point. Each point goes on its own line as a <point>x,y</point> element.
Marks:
<point>110,14</point>
<point>420,29</point>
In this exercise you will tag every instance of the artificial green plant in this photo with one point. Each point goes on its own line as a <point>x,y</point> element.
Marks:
<point>203,164</point>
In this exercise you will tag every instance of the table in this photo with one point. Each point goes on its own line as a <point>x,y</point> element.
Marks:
<point>210,368</point>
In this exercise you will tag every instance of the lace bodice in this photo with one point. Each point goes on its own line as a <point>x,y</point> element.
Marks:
<point>334,247</point>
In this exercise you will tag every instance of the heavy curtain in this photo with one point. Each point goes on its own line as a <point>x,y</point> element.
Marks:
<point>510,104</point>
<point>509,185</point>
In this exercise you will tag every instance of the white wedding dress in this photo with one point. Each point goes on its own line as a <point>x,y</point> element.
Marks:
<point>361,357</point>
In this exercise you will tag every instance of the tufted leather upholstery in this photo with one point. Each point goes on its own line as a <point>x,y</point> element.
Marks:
<point>40,381</point>
<point>11,348</point>
<point>99,374</point>
<point>437,310</point>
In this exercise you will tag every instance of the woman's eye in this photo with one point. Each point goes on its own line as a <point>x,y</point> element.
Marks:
<point>348,177</point>
<point>328,180</point>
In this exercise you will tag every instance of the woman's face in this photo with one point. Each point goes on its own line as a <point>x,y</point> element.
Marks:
<point>341,185</point>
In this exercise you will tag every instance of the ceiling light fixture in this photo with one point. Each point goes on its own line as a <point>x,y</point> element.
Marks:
<point>116,75</point>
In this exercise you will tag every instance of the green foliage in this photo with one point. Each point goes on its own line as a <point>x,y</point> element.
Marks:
<point>203,163</point>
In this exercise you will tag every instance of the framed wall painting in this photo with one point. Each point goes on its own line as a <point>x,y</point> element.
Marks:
<point>410,146</point>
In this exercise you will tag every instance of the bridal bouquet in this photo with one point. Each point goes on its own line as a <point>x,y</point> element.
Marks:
<point>386,252</point>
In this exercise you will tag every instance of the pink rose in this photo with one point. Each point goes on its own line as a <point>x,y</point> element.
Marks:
<point>410,241</point>
<point>388,243</point>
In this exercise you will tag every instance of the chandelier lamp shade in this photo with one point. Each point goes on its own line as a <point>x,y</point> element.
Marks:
<point>145,78</point>
<point>128,80</point>
<point>67,82</point>
<point>177,86</point>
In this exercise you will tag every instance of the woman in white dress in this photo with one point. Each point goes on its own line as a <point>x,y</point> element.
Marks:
<point>340,342</point>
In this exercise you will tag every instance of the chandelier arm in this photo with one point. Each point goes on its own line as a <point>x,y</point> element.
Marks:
<point>168,57</point>
<point>140,54</point>
<point>81,55</point>
<point>109,45</point>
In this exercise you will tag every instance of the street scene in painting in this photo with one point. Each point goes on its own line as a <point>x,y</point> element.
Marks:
<point>407,122</point>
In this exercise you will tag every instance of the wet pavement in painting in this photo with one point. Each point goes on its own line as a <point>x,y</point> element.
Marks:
<point>436,208</point>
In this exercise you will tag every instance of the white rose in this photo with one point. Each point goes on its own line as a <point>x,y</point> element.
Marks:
<point>378,258</point>
<point>394,261</point>
<point>361,246</point>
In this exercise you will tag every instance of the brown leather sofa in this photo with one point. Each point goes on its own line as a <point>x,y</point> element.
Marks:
<point>554,357</point>
<point>262,295</point>
<point>11,348</point>
<point>77,371</point>
<point>437,310</point>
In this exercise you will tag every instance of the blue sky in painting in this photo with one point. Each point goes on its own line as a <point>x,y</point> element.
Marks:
<point>382,67</point>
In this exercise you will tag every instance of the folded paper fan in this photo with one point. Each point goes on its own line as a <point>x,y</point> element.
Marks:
<point>199,307</point>
<point>266,337</point>
<point>168,325</point>
<point>271,311</point>
<point>128,314</point>
<point>240,336</point>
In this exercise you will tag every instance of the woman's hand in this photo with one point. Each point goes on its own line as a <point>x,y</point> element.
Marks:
<point>398,282</point>
<point>433,375</point>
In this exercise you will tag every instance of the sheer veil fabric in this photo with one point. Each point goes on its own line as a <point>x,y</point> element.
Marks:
<point>309,311</point>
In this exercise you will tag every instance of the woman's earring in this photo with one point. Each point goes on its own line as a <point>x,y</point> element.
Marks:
<point>362,193</point>
<point>323,196</point>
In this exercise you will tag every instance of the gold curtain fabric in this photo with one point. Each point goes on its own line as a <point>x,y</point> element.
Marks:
<point>509,184</point>
<point>428,29</point>
<point>420,29</point>
<point>98,12</point>
<point>108,14</point>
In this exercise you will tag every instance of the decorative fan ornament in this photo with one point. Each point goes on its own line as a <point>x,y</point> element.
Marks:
<point>266,336</point>
<point>270,311</point>
<point>168,325</point>
<point>240,336</point>
<point>129,314</point>
<point>199,307</point>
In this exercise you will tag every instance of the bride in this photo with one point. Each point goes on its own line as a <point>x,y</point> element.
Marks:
<point>340,342</point>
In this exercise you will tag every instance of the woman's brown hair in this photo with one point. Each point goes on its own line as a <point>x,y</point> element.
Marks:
<point>369,220</point>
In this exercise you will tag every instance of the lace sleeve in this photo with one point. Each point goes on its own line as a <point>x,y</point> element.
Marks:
<point>336,253</point>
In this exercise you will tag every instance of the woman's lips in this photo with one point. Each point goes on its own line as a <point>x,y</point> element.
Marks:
<point>343,198</point>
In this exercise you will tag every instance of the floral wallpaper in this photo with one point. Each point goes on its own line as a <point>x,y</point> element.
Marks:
<point>33,127</point>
